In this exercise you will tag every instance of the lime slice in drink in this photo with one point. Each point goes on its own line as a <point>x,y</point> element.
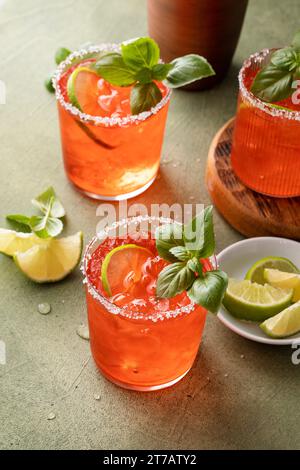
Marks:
<point>256,272</point>
<point>82,89</point>
<point>11,241</point>
<point>277,106</point>
<point>254,302</point>
<point>52,259</point>
<point>284,280</point>
<point>286,323</point>
<point>122,268</point>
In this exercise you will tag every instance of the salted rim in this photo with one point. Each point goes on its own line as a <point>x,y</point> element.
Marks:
<point>257,58</point>
<point>98,120</point>
<point>110,306</point>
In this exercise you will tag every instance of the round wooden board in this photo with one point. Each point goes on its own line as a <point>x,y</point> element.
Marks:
<point>250,213</point>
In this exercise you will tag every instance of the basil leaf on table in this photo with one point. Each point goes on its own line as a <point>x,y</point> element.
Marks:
<point>47,198</point>
<point>21,222</point>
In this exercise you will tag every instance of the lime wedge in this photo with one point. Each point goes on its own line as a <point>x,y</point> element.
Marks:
<point>284,324</point>
<point>256,272</point>
<point>254,302</point>
<point>82,89</point>
<point>52,259</point>
<point>122,268</point>
<point>284,280</point>
<point>11,241</point>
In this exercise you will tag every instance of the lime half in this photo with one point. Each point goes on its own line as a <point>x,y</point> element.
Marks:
<point>122,268</point>
<point>286,323</point>
<point>284,280</point>
<point>256,272</point>
<point>51,260</point>
<point>255,302</point>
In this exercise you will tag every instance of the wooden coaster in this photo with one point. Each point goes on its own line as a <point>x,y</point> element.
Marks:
<point>250,213</point>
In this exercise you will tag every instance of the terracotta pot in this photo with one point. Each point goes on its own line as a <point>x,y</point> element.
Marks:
<point>207,27</point>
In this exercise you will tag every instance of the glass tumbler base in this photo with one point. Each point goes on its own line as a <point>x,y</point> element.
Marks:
<point>139,388</point>
<point>120,197</point>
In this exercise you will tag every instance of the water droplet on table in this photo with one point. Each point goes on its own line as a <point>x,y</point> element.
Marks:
<point>83,331</point>
<point>51,416</point>
<point>44,308</point>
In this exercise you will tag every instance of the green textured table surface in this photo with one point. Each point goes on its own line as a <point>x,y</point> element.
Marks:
<point>239,394</point>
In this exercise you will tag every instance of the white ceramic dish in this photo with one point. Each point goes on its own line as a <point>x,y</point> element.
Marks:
<point>236,260</point>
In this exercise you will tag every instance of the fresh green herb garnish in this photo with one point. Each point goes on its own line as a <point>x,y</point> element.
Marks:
<point>138,65</point>
<point>60,55</point>
<point>48,224</point>
<point>49,84</point>
<point>275,81</point>
<point>184,247</point>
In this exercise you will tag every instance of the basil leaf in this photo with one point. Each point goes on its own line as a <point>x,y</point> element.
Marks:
<point>160,71</point>
<point>49,85</point>
<point>144,76</point>
<point>296,40</point>
<point>43,201</point>
<point>285,59</point>
<point>168,236</point>
<point>195,265</point>
<point>61,54</point>
<point>144,97</point>
<point>20,222</point>
<point>140,53</point>
<point>174,279</point>
<point>180,252</point>
<point>113,69</point>
<point>187,69</point>
<point>209,290</point>
<point>20,219</point>
<point>46,227</point>
<point>199,234</point>
<point>272,84</point>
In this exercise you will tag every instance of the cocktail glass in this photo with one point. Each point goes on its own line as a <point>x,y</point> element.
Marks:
<point>266,148</point>
<point>138,350</point>
<point>115,155</point>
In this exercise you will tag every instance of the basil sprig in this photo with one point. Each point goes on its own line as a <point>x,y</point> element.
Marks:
<point>275,81</point>
<point>184,247</point>
<point>46,225</point>
<point>138,65</point>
